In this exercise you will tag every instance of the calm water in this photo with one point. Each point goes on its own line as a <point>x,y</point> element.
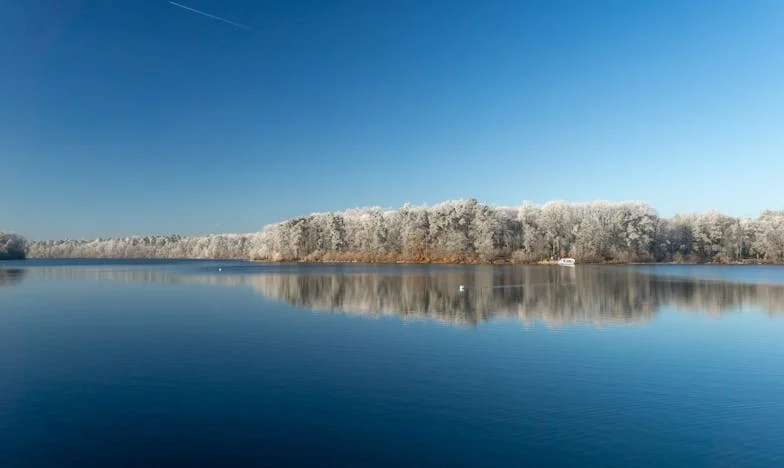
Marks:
<point>150,363</point>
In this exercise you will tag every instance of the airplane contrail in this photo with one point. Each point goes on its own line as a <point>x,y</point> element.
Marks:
<point>212,16</point>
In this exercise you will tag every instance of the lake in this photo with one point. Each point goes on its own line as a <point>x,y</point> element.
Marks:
<point>149,363</point>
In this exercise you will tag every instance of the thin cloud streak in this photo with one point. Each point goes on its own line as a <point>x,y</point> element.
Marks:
<point>248,28</point>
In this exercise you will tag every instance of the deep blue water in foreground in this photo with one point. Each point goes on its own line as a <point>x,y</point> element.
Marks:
<point>141,363</point>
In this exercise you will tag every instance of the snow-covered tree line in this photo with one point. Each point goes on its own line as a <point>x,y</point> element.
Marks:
<point>217,246</point>
<point>467,231</point>
<point>12,246</point>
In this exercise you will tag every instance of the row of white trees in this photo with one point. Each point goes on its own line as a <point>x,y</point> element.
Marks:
<point>218,246</point>
<point>467,231</point>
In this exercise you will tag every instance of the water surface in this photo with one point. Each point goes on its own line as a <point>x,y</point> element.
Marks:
<point>124,363</point>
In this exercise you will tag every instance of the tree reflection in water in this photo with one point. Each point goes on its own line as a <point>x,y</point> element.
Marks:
<point>592,294</point>
<point>11,276</point>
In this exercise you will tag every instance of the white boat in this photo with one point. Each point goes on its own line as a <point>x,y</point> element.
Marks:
<point>566,262</point>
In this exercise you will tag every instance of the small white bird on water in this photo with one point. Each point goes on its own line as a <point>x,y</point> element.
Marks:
<point>462,288</point>
<point>220,269</point>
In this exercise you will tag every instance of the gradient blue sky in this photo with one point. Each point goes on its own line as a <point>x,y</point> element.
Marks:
<point>137,117</point>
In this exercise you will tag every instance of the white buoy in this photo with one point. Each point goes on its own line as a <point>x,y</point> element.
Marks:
<point>462,288</point>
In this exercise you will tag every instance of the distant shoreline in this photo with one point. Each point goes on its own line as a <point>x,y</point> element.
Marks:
<point>462,232</point>
<point>402,262</point>
<point>499,263</point>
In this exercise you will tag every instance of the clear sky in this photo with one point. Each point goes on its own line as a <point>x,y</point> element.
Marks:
<point>122,117</point>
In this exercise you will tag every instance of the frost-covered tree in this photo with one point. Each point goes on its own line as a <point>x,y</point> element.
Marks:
<point>414,225</point>
<point>591,234</point>
<point>768,236</point>
<point>12,246</point>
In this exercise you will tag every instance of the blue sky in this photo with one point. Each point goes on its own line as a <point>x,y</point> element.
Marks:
<point>139,117</point>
